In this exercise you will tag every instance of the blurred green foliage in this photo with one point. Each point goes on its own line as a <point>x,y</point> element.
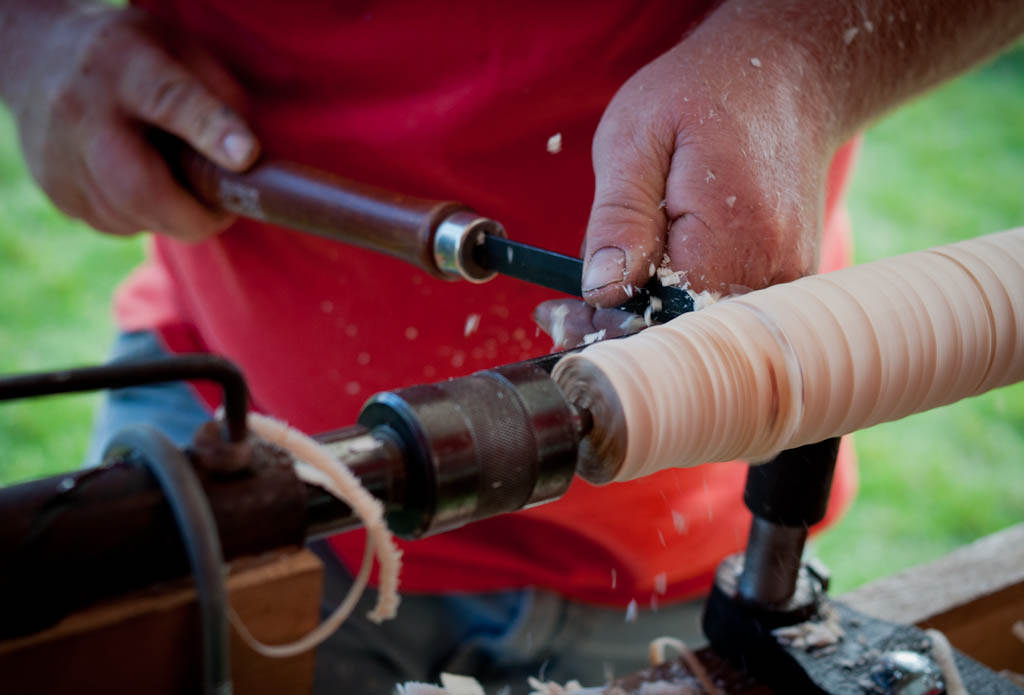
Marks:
<point>948,166</point>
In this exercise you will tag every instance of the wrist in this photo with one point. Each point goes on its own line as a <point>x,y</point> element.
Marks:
<point>755,66</point>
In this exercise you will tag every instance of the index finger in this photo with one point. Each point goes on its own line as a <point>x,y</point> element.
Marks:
<point>158,90</point>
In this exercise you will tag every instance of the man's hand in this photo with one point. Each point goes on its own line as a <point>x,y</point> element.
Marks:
<point>89,84</point>
<point>712,159</point>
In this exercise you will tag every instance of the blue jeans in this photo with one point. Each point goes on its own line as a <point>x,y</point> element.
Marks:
<point>500,637</point>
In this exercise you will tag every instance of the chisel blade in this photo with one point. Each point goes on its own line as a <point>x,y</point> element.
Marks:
<point>563,273</point>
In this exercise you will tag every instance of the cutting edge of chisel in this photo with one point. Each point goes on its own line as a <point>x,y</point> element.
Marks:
<point>562,273</point>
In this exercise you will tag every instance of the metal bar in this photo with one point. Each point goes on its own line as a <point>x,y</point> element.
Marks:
<point>563,273</point>
<point>123,374</point>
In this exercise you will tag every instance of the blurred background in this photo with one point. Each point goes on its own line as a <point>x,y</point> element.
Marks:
<point>946,167</point>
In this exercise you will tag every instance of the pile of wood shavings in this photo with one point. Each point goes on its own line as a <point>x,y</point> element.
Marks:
<point>823,631</point>
<point>683,676</point>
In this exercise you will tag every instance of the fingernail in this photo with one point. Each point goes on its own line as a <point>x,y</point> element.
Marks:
<point>238,147</point>
<point>606,266</point>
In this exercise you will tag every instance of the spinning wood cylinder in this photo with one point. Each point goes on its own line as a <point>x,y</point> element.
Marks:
<point>801,362</point>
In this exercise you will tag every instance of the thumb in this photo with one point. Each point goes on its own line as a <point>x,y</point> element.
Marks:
<point>627,228</point>
<point>158,90</point>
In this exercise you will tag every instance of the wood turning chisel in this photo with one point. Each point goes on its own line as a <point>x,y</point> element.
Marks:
<point>444,238</point>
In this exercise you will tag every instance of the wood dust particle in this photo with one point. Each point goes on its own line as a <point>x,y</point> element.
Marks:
<point>679,521</point>
<point>555,143</point>
<point>631,611</point>
<point>411,333</point>
<point>472,323</point>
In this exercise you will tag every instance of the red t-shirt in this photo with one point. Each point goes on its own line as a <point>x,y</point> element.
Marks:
<point>457,102</point>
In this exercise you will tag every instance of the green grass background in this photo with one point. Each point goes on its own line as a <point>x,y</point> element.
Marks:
<point>948,166</point>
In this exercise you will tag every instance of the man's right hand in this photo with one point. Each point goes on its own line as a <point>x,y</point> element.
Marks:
<point>88,88</point>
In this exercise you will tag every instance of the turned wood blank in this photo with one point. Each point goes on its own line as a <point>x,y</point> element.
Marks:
<point>800,362</point>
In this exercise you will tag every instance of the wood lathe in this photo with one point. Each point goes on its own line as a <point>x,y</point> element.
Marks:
<point>785,369</point>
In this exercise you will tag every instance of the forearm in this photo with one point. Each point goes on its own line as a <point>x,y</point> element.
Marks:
<point>855,61</point>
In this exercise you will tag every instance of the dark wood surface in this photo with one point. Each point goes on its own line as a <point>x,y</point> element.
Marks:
<point>148,642</point>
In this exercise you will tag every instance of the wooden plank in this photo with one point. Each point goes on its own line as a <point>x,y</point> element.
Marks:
<point>974,594</point>
<point>149,642</point>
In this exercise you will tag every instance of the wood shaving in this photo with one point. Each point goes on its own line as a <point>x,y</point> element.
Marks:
<point>555,143</point>
<point>594,337</point>
<point>704,299</point>
<point>942,652</point>
<point>631,611</point>
<point>656,654</point>
<point>551,688</point>
<point>823,631</point>
<point>670,278</point>
<point>346,487</point>
<point>558,315</point>
<point>461,685</point>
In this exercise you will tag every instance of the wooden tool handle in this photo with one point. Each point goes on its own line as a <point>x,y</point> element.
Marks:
<point>303,198</point>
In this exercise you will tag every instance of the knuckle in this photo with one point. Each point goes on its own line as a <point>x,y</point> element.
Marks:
<point>166,98</point>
